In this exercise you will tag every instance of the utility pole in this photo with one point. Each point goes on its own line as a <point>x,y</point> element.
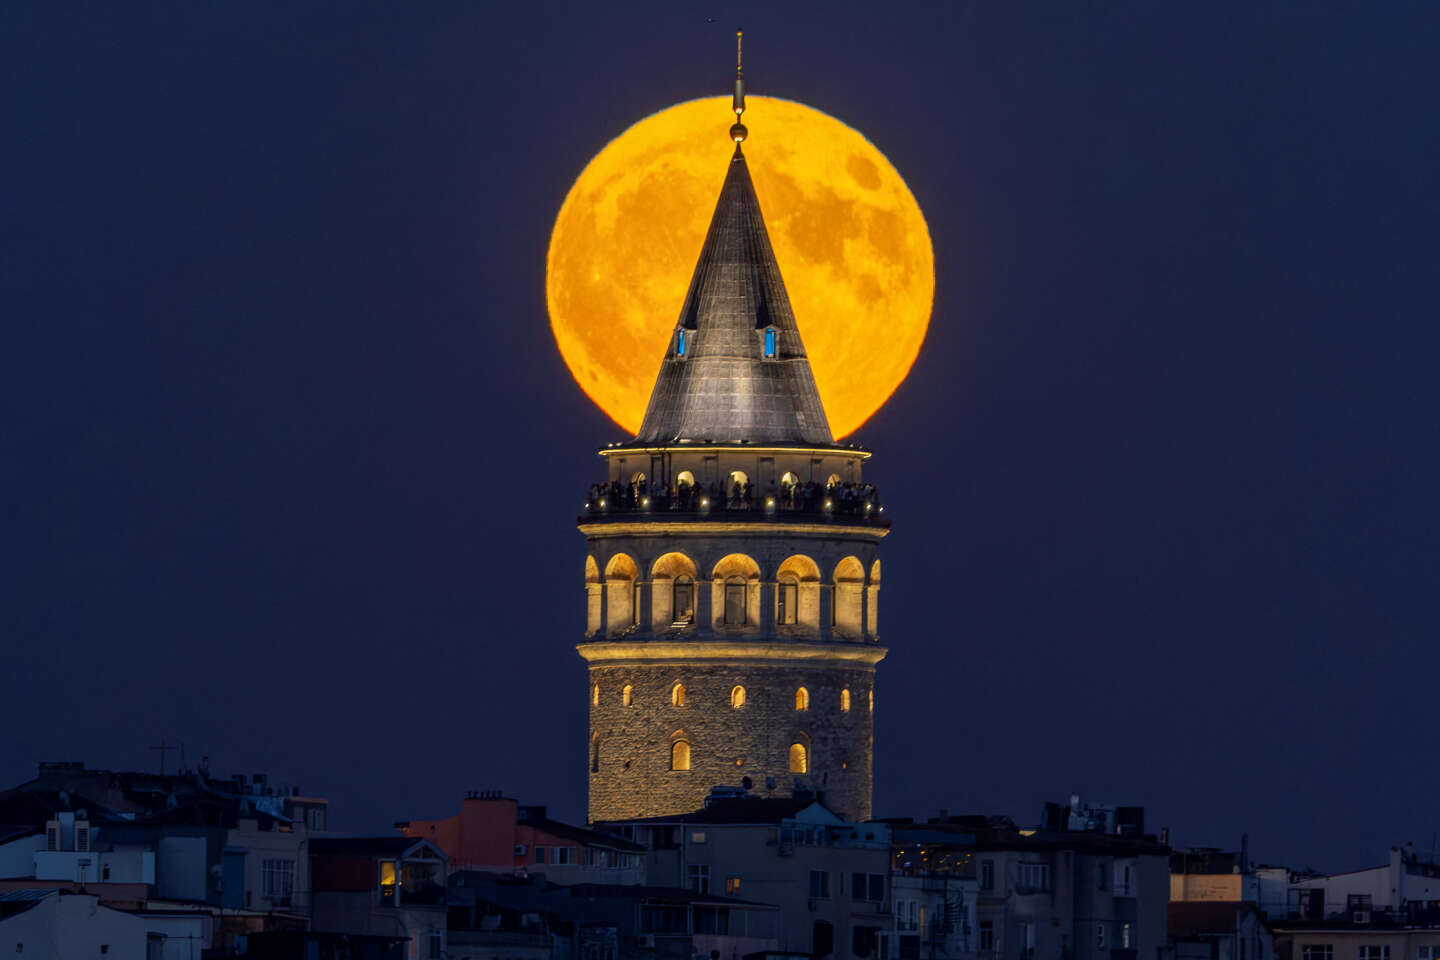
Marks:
<point>163,747</point>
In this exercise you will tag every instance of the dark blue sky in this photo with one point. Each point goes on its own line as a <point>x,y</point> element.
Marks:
<point>291,465</point>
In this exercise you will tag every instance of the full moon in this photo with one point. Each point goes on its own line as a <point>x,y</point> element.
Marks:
<point>851,243</point>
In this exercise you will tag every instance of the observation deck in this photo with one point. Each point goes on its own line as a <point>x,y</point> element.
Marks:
<point>842,503</point>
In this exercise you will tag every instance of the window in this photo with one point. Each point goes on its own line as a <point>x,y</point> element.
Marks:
<point>1125,940</point>
<point>867,886</point>
<point>1427,953</point>
<point>387,881</point>
<point>697,877</point>
<point>769,343</point>
<point>987,874</point>
<point>680,343</point>
<point>1100,875</point>
<point>802,699</point>
<point>697,836</point>
<point>819,885</point>
<point>1357,901</point>
<point>539,854</point>
<point>737,697</point>
<point>735,602</point>
<point>563,856</point>
<point>1374,953</point>
<point>987,935</point>
<point>732,886</point>
<point>799,758</point>
<point>595,695</point>
<point>845,700</point>
<point>1100,936</point>
<point>1033,877</point>
<point>787,597</point>
<point>680,755</point>
<point>872,701</point>
<point>434,945</point>
<point>594,753</point>
<point>1317,951</point>
<point>677,695</point>
<point>683,600</point>
<point>627,695</point>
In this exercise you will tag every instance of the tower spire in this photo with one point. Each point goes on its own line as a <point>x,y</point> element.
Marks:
<point>738,133</point>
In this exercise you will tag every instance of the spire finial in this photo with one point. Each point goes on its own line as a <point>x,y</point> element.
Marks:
<point>738,133</point>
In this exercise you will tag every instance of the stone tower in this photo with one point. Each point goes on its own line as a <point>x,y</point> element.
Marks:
<point>733,574</point>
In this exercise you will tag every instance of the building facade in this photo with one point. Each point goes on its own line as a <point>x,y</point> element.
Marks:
<point>732,575</point>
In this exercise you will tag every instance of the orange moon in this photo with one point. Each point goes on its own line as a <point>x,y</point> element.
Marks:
<point>850,239</point>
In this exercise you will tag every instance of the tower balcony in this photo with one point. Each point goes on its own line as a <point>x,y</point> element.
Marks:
<point>849,504</point>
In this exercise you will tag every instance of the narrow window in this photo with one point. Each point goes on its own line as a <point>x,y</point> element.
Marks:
<point>789,600</point>
<point>680,343</point>
<point>799,758</point>
<point>802,699</point>
<point>677,695</point>
<point>735,602</point>
<point>635,606</point>
<point>684,600</point>
<point>845,700</point>
<point>737,697</point>
<point>595,695</point>
<point>680,755</point>
<point>872,701</point>
<point>595,753</point>
<point>770,343</point>
<point>627,695</point>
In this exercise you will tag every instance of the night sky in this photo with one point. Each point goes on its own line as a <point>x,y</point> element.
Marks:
<point>291,464</point>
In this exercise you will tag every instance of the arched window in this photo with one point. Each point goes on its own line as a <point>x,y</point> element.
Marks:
<point>684,479</point>
<point>677,695</point>
<point>802,699</point>
<point>872,600</point>
<point>799,758</point>
<point>872,700</point>
<point>737,697</point>
<point>770,343</point>
<point>594,597</point>
<point>735,590</point>
<point>594,753</point>
<point>833,481</point>
<point>789,479</point>
<point>680,755</point>
<point>849,588</point>
<point>595,695</point>
<point>621,577</point>
<point>845,700</point>
<point>672,592</point>
<point>797,600</point>
<point>627,695</point>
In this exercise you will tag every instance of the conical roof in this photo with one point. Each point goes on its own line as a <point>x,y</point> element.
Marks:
<point>725,376</point>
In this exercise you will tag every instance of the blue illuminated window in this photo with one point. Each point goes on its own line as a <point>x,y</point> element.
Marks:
<point>680,344</point>
<point>770,343</point>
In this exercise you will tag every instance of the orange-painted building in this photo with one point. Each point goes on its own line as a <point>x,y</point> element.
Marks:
<point>495,833</point>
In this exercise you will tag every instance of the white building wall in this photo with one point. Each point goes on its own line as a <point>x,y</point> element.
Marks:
<point>180,869</point>
<point>17,858</point>
<point>73,927</point>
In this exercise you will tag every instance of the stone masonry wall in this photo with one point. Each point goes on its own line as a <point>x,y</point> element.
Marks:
<point>634,778</point>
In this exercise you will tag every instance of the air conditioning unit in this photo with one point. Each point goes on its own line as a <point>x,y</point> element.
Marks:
<point>1362,916</point>
<point>647,940</point>
<point>521,850</point>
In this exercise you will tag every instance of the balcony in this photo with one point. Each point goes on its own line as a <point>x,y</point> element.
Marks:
<point>850,504</point>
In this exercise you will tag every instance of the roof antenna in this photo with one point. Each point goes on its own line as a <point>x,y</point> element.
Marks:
<point>738,133</point>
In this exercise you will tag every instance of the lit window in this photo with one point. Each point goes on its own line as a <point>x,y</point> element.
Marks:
<point>595,695</point>
<point>872,701</point>
<point>732,886</point>
<point>845,700</point>
<point>770,343</point>
<point>799,758</point>
<point>680,755</point>
<point>802,699</point>
<point>677,695</point>
<point>680,343</point>
<point>627,695</point>
<point>737,697</point>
